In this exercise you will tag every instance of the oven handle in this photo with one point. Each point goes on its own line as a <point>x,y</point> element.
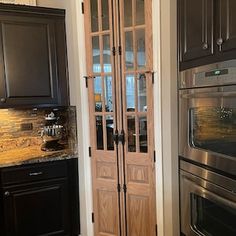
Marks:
<point>210,195</point>
<point>208,94</point>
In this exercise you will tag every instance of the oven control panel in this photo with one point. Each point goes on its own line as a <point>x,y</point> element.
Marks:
<point>218,74</point>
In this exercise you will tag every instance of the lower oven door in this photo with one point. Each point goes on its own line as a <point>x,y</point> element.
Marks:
<point>206,209</point>
<point>207,127</point>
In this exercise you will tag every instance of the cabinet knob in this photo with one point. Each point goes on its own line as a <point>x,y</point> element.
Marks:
<point>3,100</point>
<point>219,41</point>
<point>7,193</point>
<point>205,46</point>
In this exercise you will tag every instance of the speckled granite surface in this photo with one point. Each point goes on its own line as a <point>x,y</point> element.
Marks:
<point>32,154</point>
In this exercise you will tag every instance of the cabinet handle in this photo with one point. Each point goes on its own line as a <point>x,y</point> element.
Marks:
<point>219,43</point>
<point>3,100</point>
<point>7,193</point>
<point>35,173</point>
<point>205,46</point>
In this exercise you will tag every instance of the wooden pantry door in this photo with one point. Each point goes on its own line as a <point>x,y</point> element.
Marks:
<point>119,65</point>
<point>137,117</point>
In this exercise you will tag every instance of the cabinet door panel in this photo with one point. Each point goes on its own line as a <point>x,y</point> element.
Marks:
<point>28,46</point>
<point>196,29</point>
<point>39,209</point>
<point>227,10</point>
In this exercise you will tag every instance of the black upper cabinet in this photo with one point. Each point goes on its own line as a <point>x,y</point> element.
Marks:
<point>33,62</point>
<point>196,21</point>
<point>207,32</point>
<point>226,35</point>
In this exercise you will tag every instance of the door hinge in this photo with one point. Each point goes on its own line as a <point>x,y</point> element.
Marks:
<point>90,152</point>
<point>82,7</point>
<point>118,188</point>
<point>125,188</point>
<point>156,230</point>
<point>120,50</point>
<point>154,156</point>
<point>92,217</point>
<point>113,51</point>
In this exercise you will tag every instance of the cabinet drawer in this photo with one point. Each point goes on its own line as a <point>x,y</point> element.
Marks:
<point>34,172</point>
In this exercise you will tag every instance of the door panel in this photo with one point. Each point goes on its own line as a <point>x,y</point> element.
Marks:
<point>196,29</point>
<point>137,91</point>
<point>120,97</point>
<point>227,10</point>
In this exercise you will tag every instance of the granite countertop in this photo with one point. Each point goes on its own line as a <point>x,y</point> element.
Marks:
<point>32,154</point>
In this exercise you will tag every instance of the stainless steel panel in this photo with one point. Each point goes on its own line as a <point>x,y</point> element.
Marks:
<point>209,75</point>
<point>208,189</point>
<point>224,96</point>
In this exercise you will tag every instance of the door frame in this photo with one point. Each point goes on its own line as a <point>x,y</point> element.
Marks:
<point>165,48</point>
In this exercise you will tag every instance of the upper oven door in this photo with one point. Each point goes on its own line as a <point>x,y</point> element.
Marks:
<point>207,126</point>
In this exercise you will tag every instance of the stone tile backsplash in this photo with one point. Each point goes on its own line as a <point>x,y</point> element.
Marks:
<point>13,123</point>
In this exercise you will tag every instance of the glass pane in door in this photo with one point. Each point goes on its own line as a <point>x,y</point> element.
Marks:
<point>106,54</point>
<point>140,16</point>
<point>94,15</point>
<point>109,129</point>
<point>105,15</point>
<point>128,13</point>
<point>96,54</point>
<point>131,133</point>
<point>98,93</point>
<point>108,93</point>
<point>140,47</point>
<point>143,146</point>
<point>142,93</point>
<point>130,93</point>
<point>129,50</point>
<point>99,132</point>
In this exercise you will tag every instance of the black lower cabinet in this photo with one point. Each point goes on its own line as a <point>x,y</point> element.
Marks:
<point>44,206</point>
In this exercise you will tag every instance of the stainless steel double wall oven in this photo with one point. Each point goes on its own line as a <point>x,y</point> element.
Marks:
<point>207,149</point>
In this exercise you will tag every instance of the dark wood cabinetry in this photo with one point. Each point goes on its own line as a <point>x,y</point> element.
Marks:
<point>226,34</point>
<point>33,68</point>
<point>196,20</point>
<point>207,31</point>
<point>40,199</point>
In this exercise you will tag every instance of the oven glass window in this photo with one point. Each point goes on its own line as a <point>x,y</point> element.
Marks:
<point>211,219</point>
<point>214,129</point>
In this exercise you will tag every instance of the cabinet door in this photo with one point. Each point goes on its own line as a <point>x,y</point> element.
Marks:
<point>37,209</point>
<point>196,29</point>
<point>28,56</point>
<point>227,26</point>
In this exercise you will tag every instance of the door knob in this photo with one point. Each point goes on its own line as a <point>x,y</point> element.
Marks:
<point>3,100</point>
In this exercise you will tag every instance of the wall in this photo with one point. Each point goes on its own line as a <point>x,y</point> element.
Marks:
<point>165,109</point>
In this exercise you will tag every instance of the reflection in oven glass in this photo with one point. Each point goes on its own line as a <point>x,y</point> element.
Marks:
<point>214,129</point>
<point>211,219</point>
